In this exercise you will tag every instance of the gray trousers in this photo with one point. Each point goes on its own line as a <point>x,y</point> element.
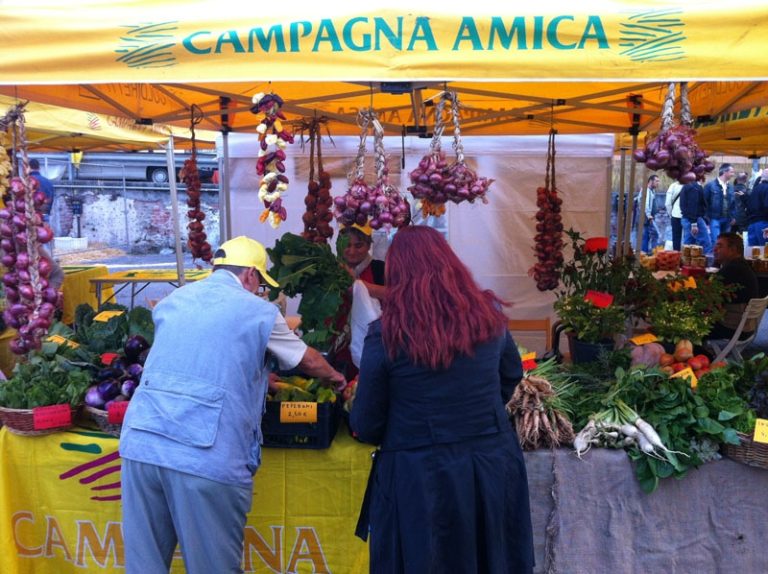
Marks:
<point>163,507</point>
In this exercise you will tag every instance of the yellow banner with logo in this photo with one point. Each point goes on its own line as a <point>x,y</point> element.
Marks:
<point>60,507</point>
<point>181,41</point>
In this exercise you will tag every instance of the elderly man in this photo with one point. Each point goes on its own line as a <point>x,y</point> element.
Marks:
<point>191,439</point>
<point>735,271</point>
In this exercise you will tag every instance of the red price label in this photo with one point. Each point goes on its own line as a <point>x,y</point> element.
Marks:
<point>51,417</point>
<point>599,299</point>
<point>116,412</point>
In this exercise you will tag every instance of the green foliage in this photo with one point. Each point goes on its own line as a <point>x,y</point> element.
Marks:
<point>109,336</point>
<point>676,312</point>
<point>621,277</point>
<point>57,374</point>
<point>312,271</point>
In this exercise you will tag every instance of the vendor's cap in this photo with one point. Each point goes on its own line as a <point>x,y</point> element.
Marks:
<point>244,252</point>
<point>364,229</point>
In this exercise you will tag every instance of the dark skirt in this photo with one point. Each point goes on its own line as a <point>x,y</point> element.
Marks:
<point>460,507</point>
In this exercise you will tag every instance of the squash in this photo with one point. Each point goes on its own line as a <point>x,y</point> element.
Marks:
<point>648,355</point>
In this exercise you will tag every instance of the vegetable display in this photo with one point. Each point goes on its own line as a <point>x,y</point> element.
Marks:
<point>674,148</point>
<point>381,205</point>
<point>312,271</point>
<point>118,381</point>
<point>296,388</point>
<point>435,181</point>
<point>538,409</point>
<point>22,232</point>
<point>549,228</point>
<point>273,139</point>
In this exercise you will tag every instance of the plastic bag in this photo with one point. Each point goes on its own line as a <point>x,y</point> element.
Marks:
<point>365,309</point>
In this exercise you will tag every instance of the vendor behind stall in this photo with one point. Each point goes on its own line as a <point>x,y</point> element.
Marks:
<point>360,262</point>
<point>735,271</point>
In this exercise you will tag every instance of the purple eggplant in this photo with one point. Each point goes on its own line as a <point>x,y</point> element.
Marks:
<point>134,346</point>
<point>108,389</point>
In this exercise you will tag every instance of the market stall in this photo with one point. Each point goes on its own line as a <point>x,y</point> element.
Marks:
<point>62,497</point>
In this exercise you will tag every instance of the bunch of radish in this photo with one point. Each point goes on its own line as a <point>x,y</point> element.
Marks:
<point>273,139</point>
<point>675,151</point>
<point>381,205</point>
<point>435,181</point>
<point>197,243</point>
<point>31,301</point>
<point>674,148</point>
<point>548,241</point>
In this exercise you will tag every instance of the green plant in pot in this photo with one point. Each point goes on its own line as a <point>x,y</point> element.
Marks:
<point>599,292</point>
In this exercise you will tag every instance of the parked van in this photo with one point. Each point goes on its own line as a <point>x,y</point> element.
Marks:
<point>132,166</point>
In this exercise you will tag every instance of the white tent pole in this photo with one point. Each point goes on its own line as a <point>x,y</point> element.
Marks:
<point>621,206</point>
<point>169,156</point>
<point>631,206</point>
<point>225,220</point>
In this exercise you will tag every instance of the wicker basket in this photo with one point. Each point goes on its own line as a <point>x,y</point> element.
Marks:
<point>101,418</point>
<point>748,452</point>
<point>21,422</point>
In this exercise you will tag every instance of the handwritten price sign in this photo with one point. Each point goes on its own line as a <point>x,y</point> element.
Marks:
<point>298,412</point>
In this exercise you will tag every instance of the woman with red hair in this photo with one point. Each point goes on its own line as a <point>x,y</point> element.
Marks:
<point>448,490</point>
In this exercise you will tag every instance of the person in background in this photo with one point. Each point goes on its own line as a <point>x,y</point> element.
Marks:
<point>360,262</point>
<point>672,205</point>
<point>735,271</point>
<point>757,210</point>
<point>719,197</point>
<point>650,233</point>
<point>191,439</point>
<point>693,207</point>
<point>448,490</point>
<point>44,185</point>
<point>356,254</point>
<point>740,196</point>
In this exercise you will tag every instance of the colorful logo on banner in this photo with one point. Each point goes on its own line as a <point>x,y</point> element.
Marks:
<point>89,473</point>
<point>148,46</point>
<point>653,36</point>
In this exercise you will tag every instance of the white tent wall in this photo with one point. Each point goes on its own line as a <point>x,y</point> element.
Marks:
<point>494,240</point>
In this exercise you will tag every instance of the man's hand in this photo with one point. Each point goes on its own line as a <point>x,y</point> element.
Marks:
<point>694,230</point>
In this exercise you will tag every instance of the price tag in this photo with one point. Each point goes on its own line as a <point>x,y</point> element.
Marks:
<point>687,373</point>
<point>596,244</point>
<point>116,412</point>
<point>528,357</point>
<point>51,417</point>
<point>644,339</point>
<point>298,412</point>
<point>761,431</point>
<point>59,340</point>
<point>599,299</point>
<point>107,358</point>
<point>105,316</point>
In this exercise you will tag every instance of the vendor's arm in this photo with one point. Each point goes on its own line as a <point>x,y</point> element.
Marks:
<point>510,368</point>
<point>371,406</point>
<point>376,291</point>
<point>292,352</point>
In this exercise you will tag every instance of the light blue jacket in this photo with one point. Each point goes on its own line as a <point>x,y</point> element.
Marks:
<point>198,408</point>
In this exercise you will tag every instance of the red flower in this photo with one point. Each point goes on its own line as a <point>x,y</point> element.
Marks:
<point>596,245</point>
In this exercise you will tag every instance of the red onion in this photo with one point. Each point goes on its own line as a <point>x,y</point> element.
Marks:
<point>50,295</point>
<point>44,234</point>
<point>27,292</point>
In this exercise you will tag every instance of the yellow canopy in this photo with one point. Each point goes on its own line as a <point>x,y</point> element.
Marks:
<point>518,69</point>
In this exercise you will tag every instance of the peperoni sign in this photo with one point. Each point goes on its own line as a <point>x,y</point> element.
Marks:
<point>655,35</point>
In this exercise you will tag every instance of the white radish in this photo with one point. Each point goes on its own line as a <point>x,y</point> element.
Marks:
<point>582,442</point>
<point>652,436</point>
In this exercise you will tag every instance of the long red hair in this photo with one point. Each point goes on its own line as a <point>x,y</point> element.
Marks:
<point>434,310</point>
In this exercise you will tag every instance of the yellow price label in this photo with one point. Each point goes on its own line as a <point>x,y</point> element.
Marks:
<point>644,339</point>
<point>528,357</point>
<point>761,431</point>
<point>105,316</point>
<point>59,340</point>
<point>298,412</point>
<point>687,373</point>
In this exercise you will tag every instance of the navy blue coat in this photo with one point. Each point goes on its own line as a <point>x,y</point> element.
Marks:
<point>448,491</point>
<point>693,201</point>
<point>714,196</point>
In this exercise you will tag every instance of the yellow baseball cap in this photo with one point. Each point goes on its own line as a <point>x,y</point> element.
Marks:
<point>243,251</point>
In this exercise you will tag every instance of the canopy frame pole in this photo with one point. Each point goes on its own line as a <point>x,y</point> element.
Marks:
<point>631,202</point>
<point>169,156</point>
<point>620,210</point>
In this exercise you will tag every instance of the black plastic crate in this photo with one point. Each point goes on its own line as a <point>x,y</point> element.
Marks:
<point>317,435</point>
